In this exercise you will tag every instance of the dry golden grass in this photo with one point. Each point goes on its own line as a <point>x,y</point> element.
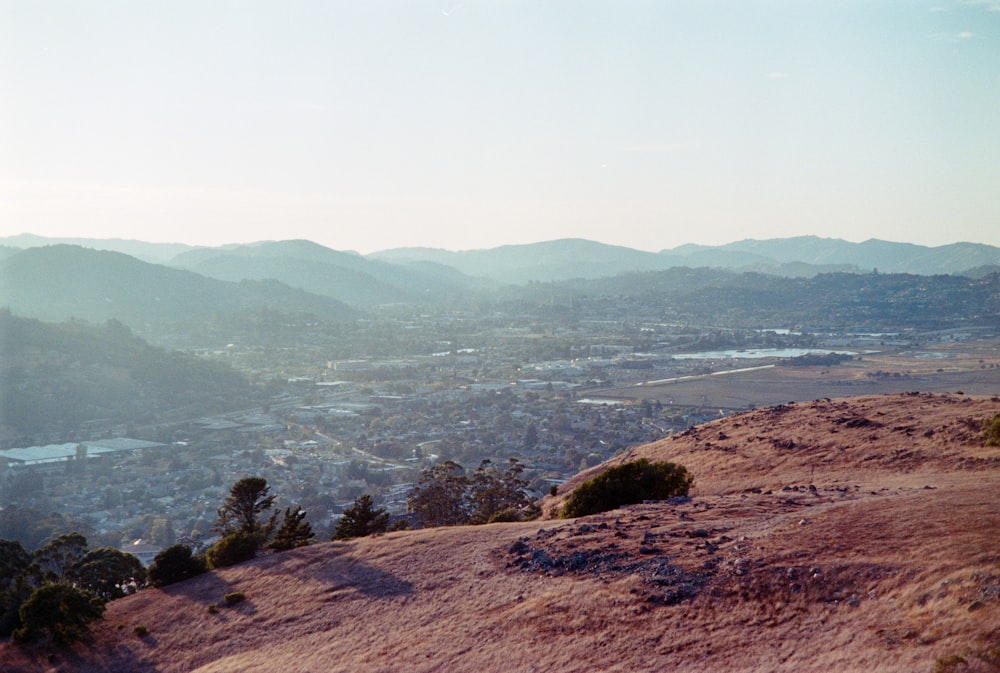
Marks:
<point>890,563</point>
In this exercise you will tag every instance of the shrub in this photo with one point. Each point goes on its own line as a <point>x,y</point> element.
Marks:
<point>59,609</point>
<point>141,631</point>
<point>234,598</point>
<point>991,431</point>
<point>505,516</point>
<point>232,549</point>
<point>626,484</point>
<point>175,564</point>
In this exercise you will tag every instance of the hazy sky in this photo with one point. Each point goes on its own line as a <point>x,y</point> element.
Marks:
<point>463,124</point>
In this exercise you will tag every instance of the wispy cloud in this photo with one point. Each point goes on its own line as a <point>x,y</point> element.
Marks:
<point>989,5</point>
<point>776,75</point>
<point>953,37</point>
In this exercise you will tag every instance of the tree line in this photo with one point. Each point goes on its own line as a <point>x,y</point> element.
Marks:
<point>58,589</point>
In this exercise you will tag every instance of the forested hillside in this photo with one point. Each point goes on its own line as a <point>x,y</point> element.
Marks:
<point>60,282</point>
<point>53,377</point>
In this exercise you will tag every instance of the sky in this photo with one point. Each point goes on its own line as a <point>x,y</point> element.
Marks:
<point>465,124</point>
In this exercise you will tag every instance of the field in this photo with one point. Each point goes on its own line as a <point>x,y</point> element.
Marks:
<point>969,367</point>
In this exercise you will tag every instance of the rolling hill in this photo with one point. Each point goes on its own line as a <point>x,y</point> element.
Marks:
<point>56,283</point>
<point>848,534</point>
<point>406,273</point>
<point>56,377</point>
<point>800,256</point>
<point>347,277</point>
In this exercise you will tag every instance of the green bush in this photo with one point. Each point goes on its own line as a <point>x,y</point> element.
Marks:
<point>505,516</point>
<point>141,631</point>
<point>232,549</point>
<point>627,484</point>
<point>991,431</point>
<point>174,564</point>
<point>61,610</point>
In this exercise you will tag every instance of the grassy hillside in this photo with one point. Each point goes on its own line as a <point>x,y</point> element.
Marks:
<point>841,535</point>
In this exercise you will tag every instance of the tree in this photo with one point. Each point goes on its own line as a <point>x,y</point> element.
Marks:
<point>175,564</point>
<point>530,437</point>
<point>247,500</point>
<point>439,496</point>
<point>58,556</point>
<point>25,486</point>
<point>59,609</point>
<point>294,531</point>
<point>493,492</point>
<point>626,484</point>
<point>361,520</point>
<point>161,532</point>
<point>108,573</point>
<point>18,578</point>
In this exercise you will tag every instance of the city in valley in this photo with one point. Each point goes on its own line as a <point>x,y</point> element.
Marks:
<point>560,376</point>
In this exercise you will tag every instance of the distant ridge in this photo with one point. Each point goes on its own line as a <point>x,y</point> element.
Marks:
<point>345,276</point>
<point>157,253</point>
<point>59,282</point>
<point>406,274</point>
<point>567,259</point>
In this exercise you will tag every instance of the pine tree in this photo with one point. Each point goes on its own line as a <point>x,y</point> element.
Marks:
<point>294,531</point>
<point>247,500</point>
<point>361,520</point>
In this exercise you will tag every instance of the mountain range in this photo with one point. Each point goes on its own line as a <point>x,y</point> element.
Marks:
<point>401,274</point>
<point>801,256</point>
<point>220,291</point>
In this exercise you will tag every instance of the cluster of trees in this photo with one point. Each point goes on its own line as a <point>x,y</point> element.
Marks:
<point>244,530</point>
<point>447,496</point>
<point>58,589</point>
<point>61,587</point>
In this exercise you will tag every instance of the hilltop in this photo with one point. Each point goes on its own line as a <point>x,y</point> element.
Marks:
<point>851,534</point>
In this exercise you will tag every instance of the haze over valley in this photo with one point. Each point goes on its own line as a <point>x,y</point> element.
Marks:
<point>564,336</point>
